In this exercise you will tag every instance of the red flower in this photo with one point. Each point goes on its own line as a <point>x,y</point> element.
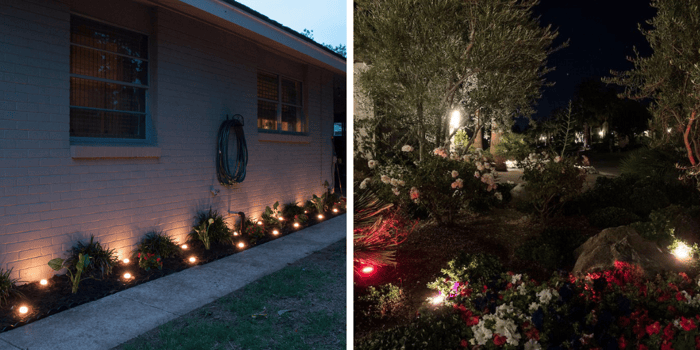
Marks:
<point>624,321</point>
<point>673,287</point>
<point>642,347</point>
<point>533,334</point>
<point>688,324</point>
<point>485,289</point>
<point>509,285</point>
<point>653,328</point>
<point>663,297</point>
<point>666,345</point>
<point>499,339</point>
<point>680,297</point>
<point>158,259</point>
<point>466,292</point>
<point>697,341</point>
<point>463,343</point>
<point>668,333</point>
<point>622,343</point>
<point>671,309</point>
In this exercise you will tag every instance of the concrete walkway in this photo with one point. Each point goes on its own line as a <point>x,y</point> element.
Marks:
<point>113,320</point>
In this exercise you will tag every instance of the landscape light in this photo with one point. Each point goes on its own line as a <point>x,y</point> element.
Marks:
<point>126,261</point>
<point>296,224</point>
<point>184,246</point>
<point>682,251</point>
<point>235,233</point>
<point>335,210</point>
<point>669,130</point>
<point>320,216</point>
<point>281,218</point>
<point>260,222</point>
<point>241,245</point>
<point>306,211</point>
<point>43,282</point>
<point>367,270</point>
<point>193,259</point>
<point>127,276</point>
<point>454,120</point>
<point>23,309</point>
<point>275,232</point>
<point>437,300</point>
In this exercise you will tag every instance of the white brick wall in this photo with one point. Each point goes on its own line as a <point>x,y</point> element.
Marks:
<point>49,200</point>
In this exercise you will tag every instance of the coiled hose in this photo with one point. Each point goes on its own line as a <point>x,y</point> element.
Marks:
<point>223,170</point>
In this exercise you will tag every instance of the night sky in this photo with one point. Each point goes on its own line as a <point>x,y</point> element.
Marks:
<point>601,35</point>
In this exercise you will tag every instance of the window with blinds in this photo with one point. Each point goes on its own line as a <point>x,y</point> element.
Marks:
<point>279,104</point>
<point>108,81</point>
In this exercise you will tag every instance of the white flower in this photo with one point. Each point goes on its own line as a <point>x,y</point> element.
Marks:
<point>487,165</point>
<point>515,278</point>
<point>533,307</point>
<point>467,158</point>
<point>402,182</point>
<point>522,290</point>
<point>363,184</point>
<point>546,295</point>
<point>532,344</point>
<point>386,179</point>
<point>481,333</point>
<point>479,167</point>
<point>394,182</point>
<point>455,173</point>
<point>372,163</point>
<point>499,196</point>
<point>557,159</point>
<point>396,191</point>
<point>211,221</point>
<point>407,148</point>
<point>477,174</point>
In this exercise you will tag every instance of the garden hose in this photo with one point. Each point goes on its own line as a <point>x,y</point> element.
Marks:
<point>223,169</point>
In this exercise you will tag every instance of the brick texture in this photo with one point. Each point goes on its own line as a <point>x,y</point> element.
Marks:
<point>199,74</point>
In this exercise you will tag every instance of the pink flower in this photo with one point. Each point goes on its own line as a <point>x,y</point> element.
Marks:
<point>688,324</point>
<point>455,173</point>
<point>414,193</point>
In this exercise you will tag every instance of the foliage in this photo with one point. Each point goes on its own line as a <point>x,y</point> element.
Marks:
<point>158,243</point>
<point>671,76</point>
<point>553,248</point>
<point>80,265</point>
<point>660,227</point>
<point>428,58</point>
<point>479,268</point>
<point>382,299</point>
<point>8,286</point>
<point>203,232</point>
<point>443,185</point>
<point>561,130</point>
<point>320,203</point>
<point>658,162</point>
<point>340,49</point>
<point>551,182</point>
<point>514,146</point>
<point>289,210</point>
<point>216,232</point>
<point>254,231</point>
<point>645,199</point>
<point>610,310</point>
<point>102,259</point>
<point>612,217</point>
<point>149,261</point>
<point>377,230</point>
<point>271,215</point>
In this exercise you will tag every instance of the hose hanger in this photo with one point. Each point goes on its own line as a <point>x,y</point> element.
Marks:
<point>223,169</point>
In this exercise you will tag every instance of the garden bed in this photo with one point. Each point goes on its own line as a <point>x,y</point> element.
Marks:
<point>57,296</point>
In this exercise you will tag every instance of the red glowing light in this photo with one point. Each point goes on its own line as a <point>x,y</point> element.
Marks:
<point>368,269</point>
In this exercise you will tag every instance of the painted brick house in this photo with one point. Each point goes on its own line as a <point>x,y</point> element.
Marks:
<point>110,110</point>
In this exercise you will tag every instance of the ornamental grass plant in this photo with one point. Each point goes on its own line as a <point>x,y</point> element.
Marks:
<point>102,260</point>
<point>218,231</point>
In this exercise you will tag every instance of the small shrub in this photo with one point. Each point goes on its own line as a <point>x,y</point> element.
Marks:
<point>8,286</point>
<point>157,243</point>
<point>479,268</point>
<point>553,249</point>
<point>438,330</point>
<point>513,146</point>
<point>551,183</point>
<point>102,260</point>
<point>646,199</point>
<point>149,261</point>
<point>657,162</point>
<point>612,217</point>
<point>218,231</point>
<point>253,230</point>
<point>271,215</point>
<point>383,300</point>
<point>289,210</point>
<point>80,266</point>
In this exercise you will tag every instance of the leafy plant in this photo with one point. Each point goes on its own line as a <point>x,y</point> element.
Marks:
<point>158,243</point>
<point>8,286</point>
<point>149,261</point>
<point>551,183</point>
<point>253,230</point>
<point>383,299</point>
<point>216,231</point>
<point>203,232</point>
<point>612,217</point>
<point>80,266</point>
<point>271,215</point>
<point>320,203</point>
<point>289,210</point>
<point>479,268</point>
<point>553,248</point>
<point>103,260</point>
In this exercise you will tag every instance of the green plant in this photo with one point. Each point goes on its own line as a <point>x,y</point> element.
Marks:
<point>102,259</point>
<point>656,162</point>
<point>8,286</point>
<point>203,232</point>
<point>253,230</point>
<point>80,266</point>
<point>320,203</point>
<point>646,199</point>
<point>158,243</point>
<point>553,248</point>
<point>513,146</point>
<point>479,268</point>
<point>217,231</point>
<point>271,215</point>
<point>612,217</point>
<point>289,210</point>
<point>550,183</point>
<point>383,299</point>
<point>148,261</point>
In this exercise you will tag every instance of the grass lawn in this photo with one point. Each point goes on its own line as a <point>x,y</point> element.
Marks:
<point>302,306</point>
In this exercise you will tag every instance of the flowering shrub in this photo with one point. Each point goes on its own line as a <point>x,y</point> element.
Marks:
<point>443,183</point>
<point>616,309</point>
<point>149,261</point>
<point>253,230</point>
<point>551,182</point>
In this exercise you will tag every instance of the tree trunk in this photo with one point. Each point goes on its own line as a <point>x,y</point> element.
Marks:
<point>421,139</point>
<point>479,138</point>
<point>586,135</point>
<point>693,162</point>
<point>496,134</point>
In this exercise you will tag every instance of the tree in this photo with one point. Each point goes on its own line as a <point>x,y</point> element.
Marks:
<point>428,57</point>
<point>340,49</point>
<point>671,75</point>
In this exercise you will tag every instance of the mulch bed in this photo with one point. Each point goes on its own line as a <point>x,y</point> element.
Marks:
<point>430,248</point>
<point>57,295</point>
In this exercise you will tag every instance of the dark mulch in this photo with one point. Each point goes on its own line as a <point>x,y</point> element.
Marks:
<point>57,295</point>
<point>430,248</point>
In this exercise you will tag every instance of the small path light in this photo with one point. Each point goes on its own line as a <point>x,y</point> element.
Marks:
<point>368,270</point>
<point>23,309</point>
<point>260,223</point>
<point>275,232</point>
<point>281,218</point>
<point>296,225</point>
<point>437,300</point>
<point>241,245</point>
<point>682,251</point>
<point>184,246</point>
<point>43,282</point>
<point>320,216</point>
<point>127,276</point>
<point>126,261</point>
<point>235,233</point>
<point>193,259</point>
<point>335,210</point>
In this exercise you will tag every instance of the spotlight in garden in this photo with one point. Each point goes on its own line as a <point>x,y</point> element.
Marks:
<point>367,269</point>
<point>306,211</point>
<point>43,282</point>
<point>601,133</point>
<point>320,216</point>
<point>454,119</point>
<point>682,251</point>
<point>437,300</point>
<point>23,309</point>
<point>193,259</point>
<point>241,245</point>
<point>335,210</point>
<point>126,261</point>
<point>280,218</point>
<point>275,232</point>
<point>669,130</point>
<point>296,225</point>
<point>235,233</point>
<point>127,276</point>
<point>260,222</point>
<point>184,246</point>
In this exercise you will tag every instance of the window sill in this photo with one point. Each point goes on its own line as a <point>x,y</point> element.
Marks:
<point>283,138</point>
<point>78,151</point>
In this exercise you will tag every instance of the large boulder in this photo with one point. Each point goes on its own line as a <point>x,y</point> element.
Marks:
<point>624,244</point>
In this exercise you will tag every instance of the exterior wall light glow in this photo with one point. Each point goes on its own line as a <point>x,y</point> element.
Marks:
<point>23,309</point>
<point>193,259</point>
<point>241,245</point>
<point>127,276</point>
<point>43,282</point>
<point>281,218</point>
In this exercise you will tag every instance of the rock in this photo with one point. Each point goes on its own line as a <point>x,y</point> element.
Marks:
<point>519,192</point>
<point>624,244</point>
